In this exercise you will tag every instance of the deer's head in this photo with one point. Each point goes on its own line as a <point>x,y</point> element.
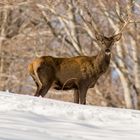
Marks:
<point>106,43</point>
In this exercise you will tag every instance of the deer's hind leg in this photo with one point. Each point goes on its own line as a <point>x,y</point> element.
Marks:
<point>37,85</point>
<point>32,74</point>
<point>37,90</point>
<point>46,78</point>
<point>44,89</point>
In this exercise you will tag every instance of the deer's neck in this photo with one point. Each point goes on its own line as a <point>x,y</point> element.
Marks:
<point>102,62</point>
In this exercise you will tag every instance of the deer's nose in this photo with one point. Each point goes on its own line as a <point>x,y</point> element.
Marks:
<point>107,51</point>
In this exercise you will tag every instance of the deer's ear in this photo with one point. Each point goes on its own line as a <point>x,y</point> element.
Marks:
<point>117,37</point>
<point>99,36</point>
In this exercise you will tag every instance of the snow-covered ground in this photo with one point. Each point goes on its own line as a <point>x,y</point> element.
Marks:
<point>25,117</point>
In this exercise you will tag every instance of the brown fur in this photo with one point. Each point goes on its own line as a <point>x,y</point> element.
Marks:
<point>78,73</point>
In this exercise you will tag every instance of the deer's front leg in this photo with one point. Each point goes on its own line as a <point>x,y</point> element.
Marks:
<point>76,96</point>
<point>82,94</point>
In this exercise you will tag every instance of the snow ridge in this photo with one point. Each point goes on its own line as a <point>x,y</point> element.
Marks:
<point>32,118</point>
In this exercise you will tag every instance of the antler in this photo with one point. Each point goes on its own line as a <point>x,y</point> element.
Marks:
<point>124,25</point>
<point>126,19</point>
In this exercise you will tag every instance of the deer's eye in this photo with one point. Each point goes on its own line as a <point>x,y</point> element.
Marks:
<point>102,42</point>
<point>112,43</point>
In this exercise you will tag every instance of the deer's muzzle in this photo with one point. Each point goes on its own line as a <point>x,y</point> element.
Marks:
<point>107,51</point>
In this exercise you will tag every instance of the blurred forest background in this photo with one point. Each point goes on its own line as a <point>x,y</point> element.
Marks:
<point>32,28</point>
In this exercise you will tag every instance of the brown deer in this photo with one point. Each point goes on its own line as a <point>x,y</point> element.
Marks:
<point>79,73</point>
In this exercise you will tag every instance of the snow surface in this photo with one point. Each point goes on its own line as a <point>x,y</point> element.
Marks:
<point>24,117</point>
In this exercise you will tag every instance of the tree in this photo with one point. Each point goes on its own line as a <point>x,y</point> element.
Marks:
<point>47,27</point>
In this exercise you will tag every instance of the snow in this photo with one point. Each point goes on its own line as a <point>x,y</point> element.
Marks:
<point>24,117</point>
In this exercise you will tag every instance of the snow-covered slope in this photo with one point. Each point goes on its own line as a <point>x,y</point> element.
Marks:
<point>25,117</point>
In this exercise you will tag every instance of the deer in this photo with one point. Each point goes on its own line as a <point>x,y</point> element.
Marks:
<point>77,73</point>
